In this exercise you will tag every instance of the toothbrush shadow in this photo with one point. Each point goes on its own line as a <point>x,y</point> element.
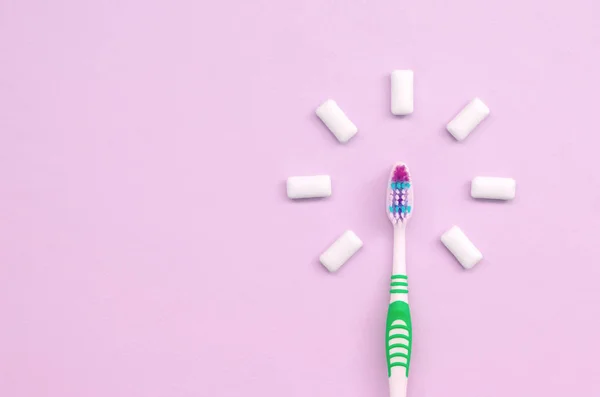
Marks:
<point>375,200</point>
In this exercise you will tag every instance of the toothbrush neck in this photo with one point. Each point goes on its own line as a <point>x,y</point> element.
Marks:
<point>399,258</point>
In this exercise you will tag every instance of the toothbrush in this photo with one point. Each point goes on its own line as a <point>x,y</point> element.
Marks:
<point>398,325</point>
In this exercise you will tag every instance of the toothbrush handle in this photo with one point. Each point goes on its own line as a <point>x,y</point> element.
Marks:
<point>398,336</point>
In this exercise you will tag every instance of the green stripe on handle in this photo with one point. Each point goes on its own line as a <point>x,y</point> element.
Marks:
<point>397,345</point>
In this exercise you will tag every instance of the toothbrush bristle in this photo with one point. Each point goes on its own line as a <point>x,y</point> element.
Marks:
<point>400,174</point>
<point>400,197</point>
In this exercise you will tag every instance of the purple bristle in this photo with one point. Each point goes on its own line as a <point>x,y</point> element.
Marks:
<point>400,174</point>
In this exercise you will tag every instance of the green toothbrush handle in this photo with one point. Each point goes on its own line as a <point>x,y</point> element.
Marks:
<point>398,336</point>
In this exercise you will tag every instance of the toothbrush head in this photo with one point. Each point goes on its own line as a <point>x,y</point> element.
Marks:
<point>399,194</point>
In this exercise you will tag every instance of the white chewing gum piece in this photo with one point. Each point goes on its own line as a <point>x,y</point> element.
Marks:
<point>402,92</point>
<point>340,251</point>
<point>301,187</point>
<point>493,188</point>
<point>468,118</point>
<point>461,247</point>
<point>337,121</point>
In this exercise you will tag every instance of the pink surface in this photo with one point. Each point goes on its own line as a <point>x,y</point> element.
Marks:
<point>147,247</point>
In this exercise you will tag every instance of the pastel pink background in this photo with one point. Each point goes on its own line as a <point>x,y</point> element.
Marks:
<point>147,247</point>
